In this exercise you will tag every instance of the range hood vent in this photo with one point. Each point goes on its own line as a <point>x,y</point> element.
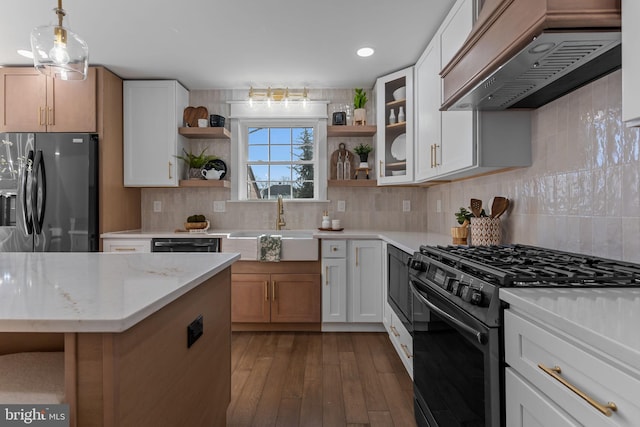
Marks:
<point>552,65</point>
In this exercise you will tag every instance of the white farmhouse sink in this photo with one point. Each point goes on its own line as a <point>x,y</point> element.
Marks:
<point>297,245</point>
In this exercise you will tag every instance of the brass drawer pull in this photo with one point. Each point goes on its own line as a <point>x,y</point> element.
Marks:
<point>381,169</point>
<point>555,373</point>
<point>125,249</point>
<point>406,351</point>
<point>273,291</point>
<point>395,331</point>
<point>266,290</point>
<point>170,166</point>
<point>326,275</point>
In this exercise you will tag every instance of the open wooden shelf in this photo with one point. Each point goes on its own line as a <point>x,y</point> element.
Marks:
<point>397,126</point>
<point>205,133</point>
<point>360,182</point>
<point>221,183</point>
<point>397,103</point>
<point>351,131</point>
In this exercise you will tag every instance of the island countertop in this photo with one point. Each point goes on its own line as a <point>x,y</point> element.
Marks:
<point>96,292</point>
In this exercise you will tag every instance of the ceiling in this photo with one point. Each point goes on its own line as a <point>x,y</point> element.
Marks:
<point>231,44</point>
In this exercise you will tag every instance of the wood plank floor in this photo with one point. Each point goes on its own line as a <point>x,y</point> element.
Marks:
<point>294,379</point>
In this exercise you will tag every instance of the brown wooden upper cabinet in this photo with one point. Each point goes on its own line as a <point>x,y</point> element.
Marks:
<point>33,102</point>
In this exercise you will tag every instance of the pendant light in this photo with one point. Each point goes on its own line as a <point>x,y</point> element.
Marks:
<point>59,52</point>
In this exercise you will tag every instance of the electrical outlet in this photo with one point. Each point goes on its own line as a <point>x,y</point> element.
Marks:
<point>157,206</point>
<point>219,206</point>
<point>341,205</point>
<point>406,205</point>
<point>438,206</point>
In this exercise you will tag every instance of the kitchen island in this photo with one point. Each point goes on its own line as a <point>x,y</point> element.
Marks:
<point>122,322</point>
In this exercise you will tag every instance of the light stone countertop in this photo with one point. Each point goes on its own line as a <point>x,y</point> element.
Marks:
<point>96,292</point>
<point>607,319</point>
<point>406,241</point>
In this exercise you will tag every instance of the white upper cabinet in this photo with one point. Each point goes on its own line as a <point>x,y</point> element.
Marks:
<point>153,111</point>
<point>630,63</point>
<point>394,146</point>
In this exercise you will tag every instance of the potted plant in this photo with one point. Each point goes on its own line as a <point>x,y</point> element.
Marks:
<point>359,112</point>
<point>363,150</point>
<point>196,162</point>
<point>460,234</point>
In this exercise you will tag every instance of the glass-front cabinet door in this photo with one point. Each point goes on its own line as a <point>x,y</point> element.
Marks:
<point>394,109</point>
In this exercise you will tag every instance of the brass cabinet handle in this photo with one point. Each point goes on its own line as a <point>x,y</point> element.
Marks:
<point>395,331</point>
<point>41,113</point>
<point>326,275</point>
<point>431,154</point>
<point>381,169</point>
<point>266,290</point>
<point>555,373</point>
<point>406,351</point>
<point>435,155</point>
<point>51,116</point>
<point>273,291</point>
<point>357,256</point>
<point>170,165</point>
<point>125,249</point>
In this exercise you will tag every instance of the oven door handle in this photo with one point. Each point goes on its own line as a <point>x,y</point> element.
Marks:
<point>480,337</point>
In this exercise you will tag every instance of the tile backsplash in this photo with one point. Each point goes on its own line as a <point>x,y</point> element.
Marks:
<point>582,192</point>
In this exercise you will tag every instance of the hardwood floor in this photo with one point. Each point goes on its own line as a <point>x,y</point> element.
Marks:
<point>317,379</point>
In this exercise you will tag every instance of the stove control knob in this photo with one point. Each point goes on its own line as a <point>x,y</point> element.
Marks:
<point>449,283</point>
<point>416,264</point>
<point>476,297</point>
<point>456,288</point>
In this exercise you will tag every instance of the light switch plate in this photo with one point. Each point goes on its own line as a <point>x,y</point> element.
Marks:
<point>406,206</point>
<point>157,206</point>
<point>341,205</point>
<point>219,206</point>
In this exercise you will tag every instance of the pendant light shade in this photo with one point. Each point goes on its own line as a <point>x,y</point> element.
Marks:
<point>59,52</point>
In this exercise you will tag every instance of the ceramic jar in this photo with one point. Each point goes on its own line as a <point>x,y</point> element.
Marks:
<point>486,231</point>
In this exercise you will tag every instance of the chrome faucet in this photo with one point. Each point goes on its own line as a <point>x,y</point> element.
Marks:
<point>280,220</point>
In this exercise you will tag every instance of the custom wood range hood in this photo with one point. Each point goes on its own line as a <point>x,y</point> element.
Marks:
<point>525,53</point>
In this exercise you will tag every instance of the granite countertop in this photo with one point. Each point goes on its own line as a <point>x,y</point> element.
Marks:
<point>407,241</point>
<point>606,319</point>
<point>96,292</point>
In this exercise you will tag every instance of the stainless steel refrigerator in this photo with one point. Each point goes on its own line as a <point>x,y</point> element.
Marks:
<point>49,192</point>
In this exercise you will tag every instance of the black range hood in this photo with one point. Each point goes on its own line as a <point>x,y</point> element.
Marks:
<point>552,65</point>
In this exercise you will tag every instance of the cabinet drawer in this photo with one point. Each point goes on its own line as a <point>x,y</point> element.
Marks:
<point>334,248</point>
<point>529,345</point>
<point>402,341</point>
<point>126,245</point>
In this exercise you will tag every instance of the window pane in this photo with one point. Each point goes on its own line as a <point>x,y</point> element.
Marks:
<point>258,136</point>
<point>280,153</point>
<point>280,135</point>
<point>257,173</point>
<point>302,172</point>
<point>258,153</point>
<point>280,173</point>
<point>303,190</point>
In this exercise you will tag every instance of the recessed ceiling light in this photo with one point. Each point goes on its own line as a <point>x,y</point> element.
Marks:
<point>365,51</point>
<point>25,53</point>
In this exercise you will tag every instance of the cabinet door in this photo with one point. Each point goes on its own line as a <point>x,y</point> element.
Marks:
<point>365,279</point>
<point>526,406</point>
<point>295,298</point>
<point>428,115</point>
<point>334,290</point>
<point>457,137</point>
<point>24,99</point>
<point>394,142</point>
<point>71,105</point>
<point>151,139</point>
<point>250,298</point>
<point>630,63</point>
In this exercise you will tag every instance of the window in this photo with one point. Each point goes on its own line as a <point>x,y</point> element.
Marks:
<point>279,151</point>
<point>280,162</point>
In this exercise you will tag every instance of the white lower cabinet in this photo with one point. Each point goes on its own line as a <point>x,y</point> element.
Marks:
<point>572,368</point>
<point>352,282</point>
<point>126,245</point>
<point>400,338</point>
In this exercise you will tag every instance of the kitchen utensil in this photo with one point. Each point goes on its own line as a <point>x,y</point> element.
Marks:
<point>476,207</point>
<point>499,206</point>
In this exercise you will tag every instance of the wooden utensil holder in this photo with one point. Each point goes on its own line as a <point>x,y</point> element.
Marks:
<point>460,235</point>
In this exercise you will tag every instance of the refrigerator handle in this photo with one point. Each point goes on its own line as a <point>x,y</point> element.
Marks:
<point>26,203</point>
<point>39,184</point>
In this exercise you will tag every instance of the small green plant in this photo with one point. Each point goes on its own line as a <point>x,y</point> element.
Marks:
<point>360,98</point>
<point>463,215</point>
<point>362,149</point>
<point>196,161</point>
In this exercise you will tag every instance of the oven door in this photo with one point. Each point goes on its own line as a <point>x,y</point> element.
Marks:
<point>456,367</point>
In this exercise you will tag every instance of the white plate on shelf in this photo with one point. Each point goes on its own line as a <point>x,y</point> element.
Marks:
<point>399,147</point>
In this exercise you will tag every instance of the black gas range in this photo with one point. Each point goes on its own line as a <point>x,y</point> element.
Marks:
<point>457,318</point>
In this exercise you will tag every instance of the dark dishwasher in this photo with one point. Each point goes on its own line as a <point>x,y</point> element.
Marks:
<point>399,295</point>
<point>185,244</point>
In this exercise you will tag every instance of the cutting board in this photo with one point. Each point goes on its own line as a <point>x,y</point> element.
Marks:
<point>192,114</point>
<point>342,150</point>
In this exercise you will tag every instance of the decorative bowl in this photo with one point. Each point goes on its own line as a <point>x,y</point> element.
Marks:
<point>400,93</point>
